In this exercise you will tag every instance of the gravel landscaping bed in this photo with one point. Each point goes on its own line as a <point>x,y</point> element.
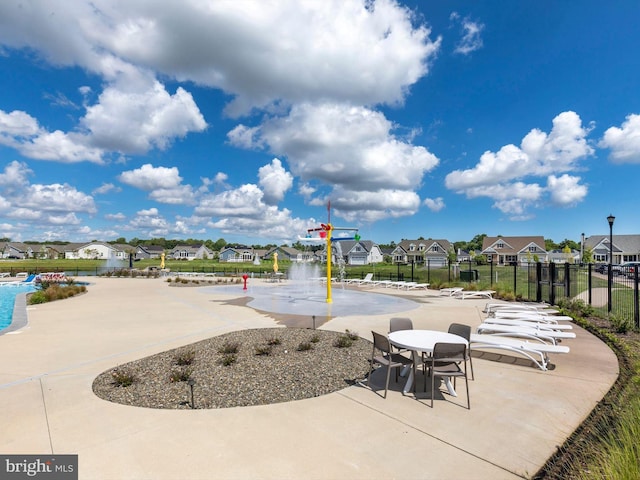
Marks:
<point>270,366</point>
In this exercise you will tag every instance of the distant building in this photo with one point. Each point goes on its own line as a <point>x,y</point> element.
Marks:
<point>519,250</point>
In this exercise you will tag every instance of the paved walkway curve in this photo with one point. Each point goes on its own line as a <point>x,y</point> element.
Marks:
<point>518,416</point>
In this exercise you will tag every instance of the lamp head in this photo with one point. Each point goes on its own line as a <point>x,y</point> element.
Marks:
<point>611,219</point>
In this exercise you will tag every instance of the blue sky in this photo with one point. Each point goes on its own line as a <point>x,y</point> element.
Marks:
<point>242,119</point>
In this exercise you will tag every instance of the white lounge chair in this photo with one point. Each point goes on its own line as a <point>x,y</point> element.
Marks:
<point>356,281</point>
<point>536,351</point>
<point>512,306</point>
<point>532,316</point>
<point>551,336</point>
<point>528,323</point>
<point>474,294</point>
<point>417,286</point>
<point>367,280</point>
<point>450,291</point>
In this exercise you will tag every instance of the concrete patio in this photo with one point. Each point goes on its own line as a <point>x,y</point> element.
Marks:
<point>518,416</point>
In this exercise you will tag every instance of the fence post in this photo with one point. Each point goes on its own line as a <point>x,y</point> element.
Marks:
<point>636,307</point>
<point>590,282</point>
<point>567,280</point>
<point>552,283</point>
<point>538,282</point>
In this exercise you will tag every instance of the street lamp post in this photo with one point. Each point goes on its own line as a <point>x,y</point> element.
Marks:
<point>610,219</point>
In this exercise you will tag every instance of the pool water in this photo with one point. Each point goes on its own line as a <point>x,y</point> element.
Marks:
<point>8,295</point>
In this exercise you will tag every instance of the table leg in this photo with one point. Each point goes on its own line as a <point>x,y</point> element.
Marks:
<point>409,382</point>
<point>449,385</point>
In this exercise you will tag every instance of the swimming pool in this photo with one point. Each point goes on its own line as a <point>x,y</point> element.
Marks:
<point>8,295</point>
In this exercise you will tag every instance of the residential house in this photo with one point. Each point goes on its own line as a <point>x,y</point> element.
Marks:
<point>352,252</point>
<point>510,250</point>
<point>290,253</point>
<point>237,254</point>
<point>560,256</point>
<point>50,252</point>
<point>70,250</point>
<point>98,251</point>
<point>626,248</point>
<point>149,251</point>
<point>429,252</point>
<point>17,250</point>
<point>360,252</point>
<point>462,256</point>
<point>191,252</point>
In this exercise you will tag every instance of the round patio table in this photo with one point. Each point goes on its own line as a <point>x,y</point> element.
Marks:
<point>423,341</point>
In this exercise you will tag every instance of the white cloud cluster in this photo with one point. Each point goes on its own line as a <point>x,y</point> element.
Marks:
<point>471,37</point>
<point>624,141</point>
<point>37,205</point>
<point>351,149</point>
<point>345,54</point>
<point>501,176</point>
<point>21,131</point>
<point>163,184</point>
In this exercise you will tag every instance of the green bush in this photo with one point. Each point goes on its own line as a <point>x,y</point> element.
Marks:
<point>263,350</point>
<point>180,375</point>
<point>123,378</point>
<point>228,359</point>
<point>621,324</point>
<point>38,297</point>
<point>304,346</point>
<point>229,348</point>
<point>343,341</point>
<point>185,358</point>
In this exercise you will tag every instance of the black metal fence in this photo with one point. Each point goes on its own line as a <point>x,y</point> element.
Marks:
<point>615,293</point>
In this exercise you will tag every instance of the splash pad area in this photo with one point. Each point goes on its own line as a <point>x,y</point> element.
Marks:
<point>304,294</point>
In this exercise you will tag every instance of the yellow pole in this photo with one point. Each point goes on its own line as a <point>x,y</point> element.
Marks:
<point>329,299</point>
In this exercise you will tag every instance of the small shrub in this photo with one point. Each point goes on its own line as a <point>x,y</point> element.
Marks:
<point>343,341</point>
<point>352,335</point>
<point>123,378</point>
<point>315,338</point>
<point>38,297</point>
<point>180,375</point>
<point>304,346</point>
<point>264,350</point>
<point>229,348</point>
<point>229,359</point>
<point>576,307</point>
<point>621,324</point>
<point>185,358</point>
<point>274,341</point>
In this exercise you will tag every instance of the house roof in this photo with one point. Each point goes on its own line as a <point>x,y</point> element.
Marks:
<point>151,248</point>
<point>512,245</point>
<point>621,243</point>
<point>405,245</point>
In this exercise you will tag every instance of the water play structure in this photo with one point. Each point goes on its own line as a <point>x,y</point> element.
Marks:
<point>325,233</point>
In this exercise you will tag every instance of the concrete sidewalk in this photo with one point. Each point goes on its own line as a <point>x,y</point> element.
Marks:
<point>518,416</point>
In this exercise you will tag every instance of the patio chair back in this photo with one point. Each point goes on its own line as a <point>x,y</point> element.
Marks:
<point>445,362</point>
<point>463,331</point>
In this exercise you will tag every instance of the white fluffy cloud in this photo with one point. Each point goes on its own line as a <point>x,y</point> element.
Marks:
<point>133,117</point>
<point>624,141</point>
<point>471,35</point>
<point>434,204</point>
<point>38,204</point>
<point>275,181</point>
<point>21,131</point>
<point>349,149</point>
<point>501,176</point>
<point>163,184</point>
